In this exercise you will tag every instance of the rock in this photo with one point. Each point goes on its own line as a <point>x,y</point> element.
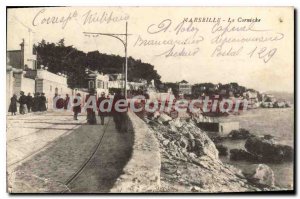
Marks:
<point>177,123</point>
<point>166,142</point>
<point>218,139</point>
<point>174,135</point>
<point>192,155</point>
<point>260,174</point>
<point>240,154</point>
<point>172,126</point>
<point>184,143</point>
<point>190,136</point>
<point>156,114</point>
<point>192,159</point>
<point>239,134</point>
<point>223,151</point>
<point>270,152</point>
<point>268,137</point>
<point>164,118</point>
<point>204,146</point>
<point>192,145</point>
<point>195,189</point>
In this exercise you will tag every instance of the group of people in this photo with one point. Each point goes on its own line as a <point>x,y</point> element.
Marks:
<point>120,118</point>
<point>39,103</point>
<point>28,103</point>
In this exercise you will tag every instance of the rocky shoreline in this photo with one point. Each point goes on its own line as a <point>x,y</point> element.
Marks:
<point>190,161</point>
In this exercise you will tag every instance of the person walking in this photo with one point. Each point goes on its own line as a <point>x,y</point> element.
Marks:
<point>13,105</point>
<point>35,103</point>
<point>119,117</point>
<point>91,116</point>
<point>77,107</point>
<point>66,102</point>
<point>38,102</point>
<point>101,112</point>
<point>22,101</point>
<point>29,102</point>
<point>43,102</point>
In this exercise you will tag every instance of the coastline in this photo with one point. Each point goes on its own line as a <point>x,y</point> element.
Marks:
<point>191,163</point>
<point>267,122</point>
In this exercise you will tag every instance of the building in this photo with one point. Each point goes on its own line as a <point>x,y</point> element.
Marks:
<point>99,82</point>
<point>16,82</point>
<point>221,128</point>
<point>23,75</point>
<point>252,98</point>
<point>116,81</point>
<point>268,98</point>
<point>22,59</point>
<point>51,84</point>
<point>185,88</point>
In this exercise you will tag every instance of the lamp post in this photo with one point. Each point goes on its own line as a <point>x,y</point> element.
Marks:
<point>124,42</point>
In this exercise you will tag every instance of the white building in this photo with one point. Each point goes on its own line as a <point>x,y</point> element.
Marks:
<point>185,88</point>
<point>99,82</point>
<point>22,75</point>
<point>117,81</point>
<point>51,84</point>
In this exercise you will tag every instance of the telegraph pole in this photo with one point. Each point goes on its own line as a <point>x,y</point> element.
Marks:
<point>124,42</point>
<point>126,60</point>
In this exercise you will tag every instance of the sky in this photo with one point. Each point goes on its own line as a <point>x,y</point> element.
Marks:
<point>178,50</point>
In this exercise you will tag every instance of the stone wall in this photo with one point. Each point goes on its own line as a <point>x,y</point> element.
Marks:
<point>142,172</point>
<point>9,87</point>
<point>28,85</point>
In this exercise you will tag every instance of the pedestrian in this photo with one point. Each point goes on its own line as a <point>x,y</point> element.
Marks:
<point>54,100</point>
<point>43,102</point>
<point>101,112</point>
<point>22,101</point>
<point>91,116</point>
<point>13,105</point>
<point>119,117</point>
<point>38,101</point>
<point>66,102</point>
<point>77,106</point>
<point>29,102</point>
<point>35,104</point>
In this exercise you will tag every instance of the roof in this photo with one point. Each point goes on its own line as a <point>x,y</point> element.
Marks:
<point>183,82</point>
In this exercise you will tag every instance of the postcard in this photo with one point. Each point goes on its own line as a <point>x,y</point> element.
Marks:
<point>150,100</point>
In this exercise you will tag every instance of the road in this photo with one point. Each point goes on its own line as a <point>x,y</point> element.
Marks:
<point>50,152</point>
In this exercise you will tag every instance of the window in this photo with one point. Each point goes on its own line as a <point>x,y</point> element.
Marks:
<point>50,88</point>
<point>91,84</point>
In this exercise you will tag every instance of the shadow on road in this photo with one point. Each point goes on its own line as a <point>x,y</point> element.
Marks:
<point>107,165</point>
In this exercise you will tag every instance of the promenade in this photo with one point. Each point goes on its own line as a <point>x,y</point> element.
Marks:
<point>51,152</point>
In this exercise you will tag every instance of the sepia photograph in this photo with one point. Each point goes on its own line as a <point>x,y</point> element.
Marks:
<point>150,100</point>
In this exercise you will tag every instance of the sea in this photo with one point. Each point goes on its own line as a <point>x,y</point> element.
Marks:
<point>278,122</point>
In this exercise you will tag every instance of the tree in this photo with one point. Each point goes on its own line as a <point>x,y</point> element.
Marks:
<point>60,58</point>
